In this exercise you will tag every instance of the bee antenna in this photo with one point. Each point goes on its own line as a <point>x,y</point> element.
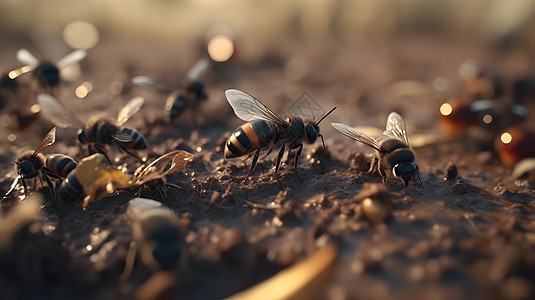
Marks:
<point>324,116</point>
<point>321,136</point>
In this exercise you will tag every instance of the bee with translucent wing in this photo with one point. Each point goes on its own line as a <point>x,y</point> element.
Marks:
<point>31,165</point>
<point>393,157</point>
<point>265,129</point>
<point>98,131</point>
<point>46,73</point>
<point>194,91</point>
<point>157,238</point>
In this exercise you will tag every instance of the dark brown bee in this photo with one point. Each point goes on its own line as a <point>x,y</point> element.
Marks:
<point>46,73</point>
<point>98,131</point>
<point>394,157</point>
<point>266,130</point>
<point>31,165</point>
<point>192,95</point>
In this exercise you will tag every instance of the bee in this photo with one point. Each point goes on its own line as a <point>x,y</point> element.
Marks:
<point>46,73</point>
<point>60,164</point>
<point>394,157</point>
<point>156,234</point>
<point>265,129</point>
<point>92,179</point>
<point>192,95</point>
<point>31,165</point>
<point>98,131</point>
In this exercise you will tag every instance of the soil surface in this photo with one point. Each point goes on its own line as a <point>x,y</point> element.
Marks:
<point>471,235</point>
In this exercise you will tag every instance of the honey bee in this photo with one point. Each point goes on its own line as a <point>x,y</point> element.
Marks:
<point>192,95</point>
<point>60,164</point>
<point>265,129</point>
<point>98,131</point>
<point>393,157</point>
<point>156,233</point>
<point>46,73</point>
<point>31,165</point>
<point>92,179</point>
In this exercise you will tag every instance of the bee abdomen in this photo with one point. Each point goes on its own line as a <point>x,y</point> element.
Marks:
<point>70,189</point>
<point>60,164</point>
<point>139,141</point>
<point>247,138</point>
<point>99,131</point>
<point>176,103</point>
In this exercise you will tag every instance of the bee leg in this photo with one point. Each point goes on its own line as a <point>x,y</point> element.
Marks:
<point>268,153</point>
<point>46,174</point>
<point>122,148</point>
<point>279,158</point>
<point>25,187</point>
<point>129,263</point>
<point>297,156</point>
<point>253,165</point>
<point>95,148</point>
<point>373,164</point>
<point>381,172</point>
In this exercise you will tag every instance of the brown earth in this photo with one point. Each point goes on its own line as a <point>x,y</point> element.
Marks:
<point>471,236</point>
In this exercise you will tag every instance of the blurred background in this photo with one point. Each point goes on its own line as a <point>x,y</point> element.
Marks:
<point>370,57</point>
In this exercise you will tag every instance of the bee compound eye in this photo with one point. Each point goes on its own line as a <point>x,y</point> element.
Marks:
<point>396,170</point>
<point>311,133</point>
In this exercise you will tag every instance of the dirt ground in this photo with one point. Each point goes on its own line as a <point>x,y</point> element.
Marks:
<point>468,237</point>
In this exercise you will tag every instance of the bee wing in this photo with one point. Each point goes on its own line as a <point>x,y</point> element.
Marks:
<point>137,206</point>
<point>150,82</point>
<point>158,168</point>
<point>71,58</point>
<point>395,126</point>
<point>129,110</point>
<point>144,81</point>
<point>57,113</point>
<point>48,140</point>
<point>356,135</point>
<point>179,162</point>
<point>198,69</point>
<point>248,108</point>
<point>25,57</point>
<point>121,137</point>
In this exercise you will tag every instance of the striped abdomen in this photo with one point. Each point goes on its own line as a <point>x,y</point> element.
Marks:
<point>60,164</point>
<point>138,140</point>
<point>99,131</point>
<point>175,105</point>
<point>248,137</point>
<point>70,190</point>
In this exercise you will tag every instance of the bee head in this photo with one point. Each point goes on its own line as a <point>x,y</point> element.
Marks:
<point>25,167</point>
<point>311,132</point>
<point>82,137</point>
<point>47,73</point>
<point>405,171</point>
